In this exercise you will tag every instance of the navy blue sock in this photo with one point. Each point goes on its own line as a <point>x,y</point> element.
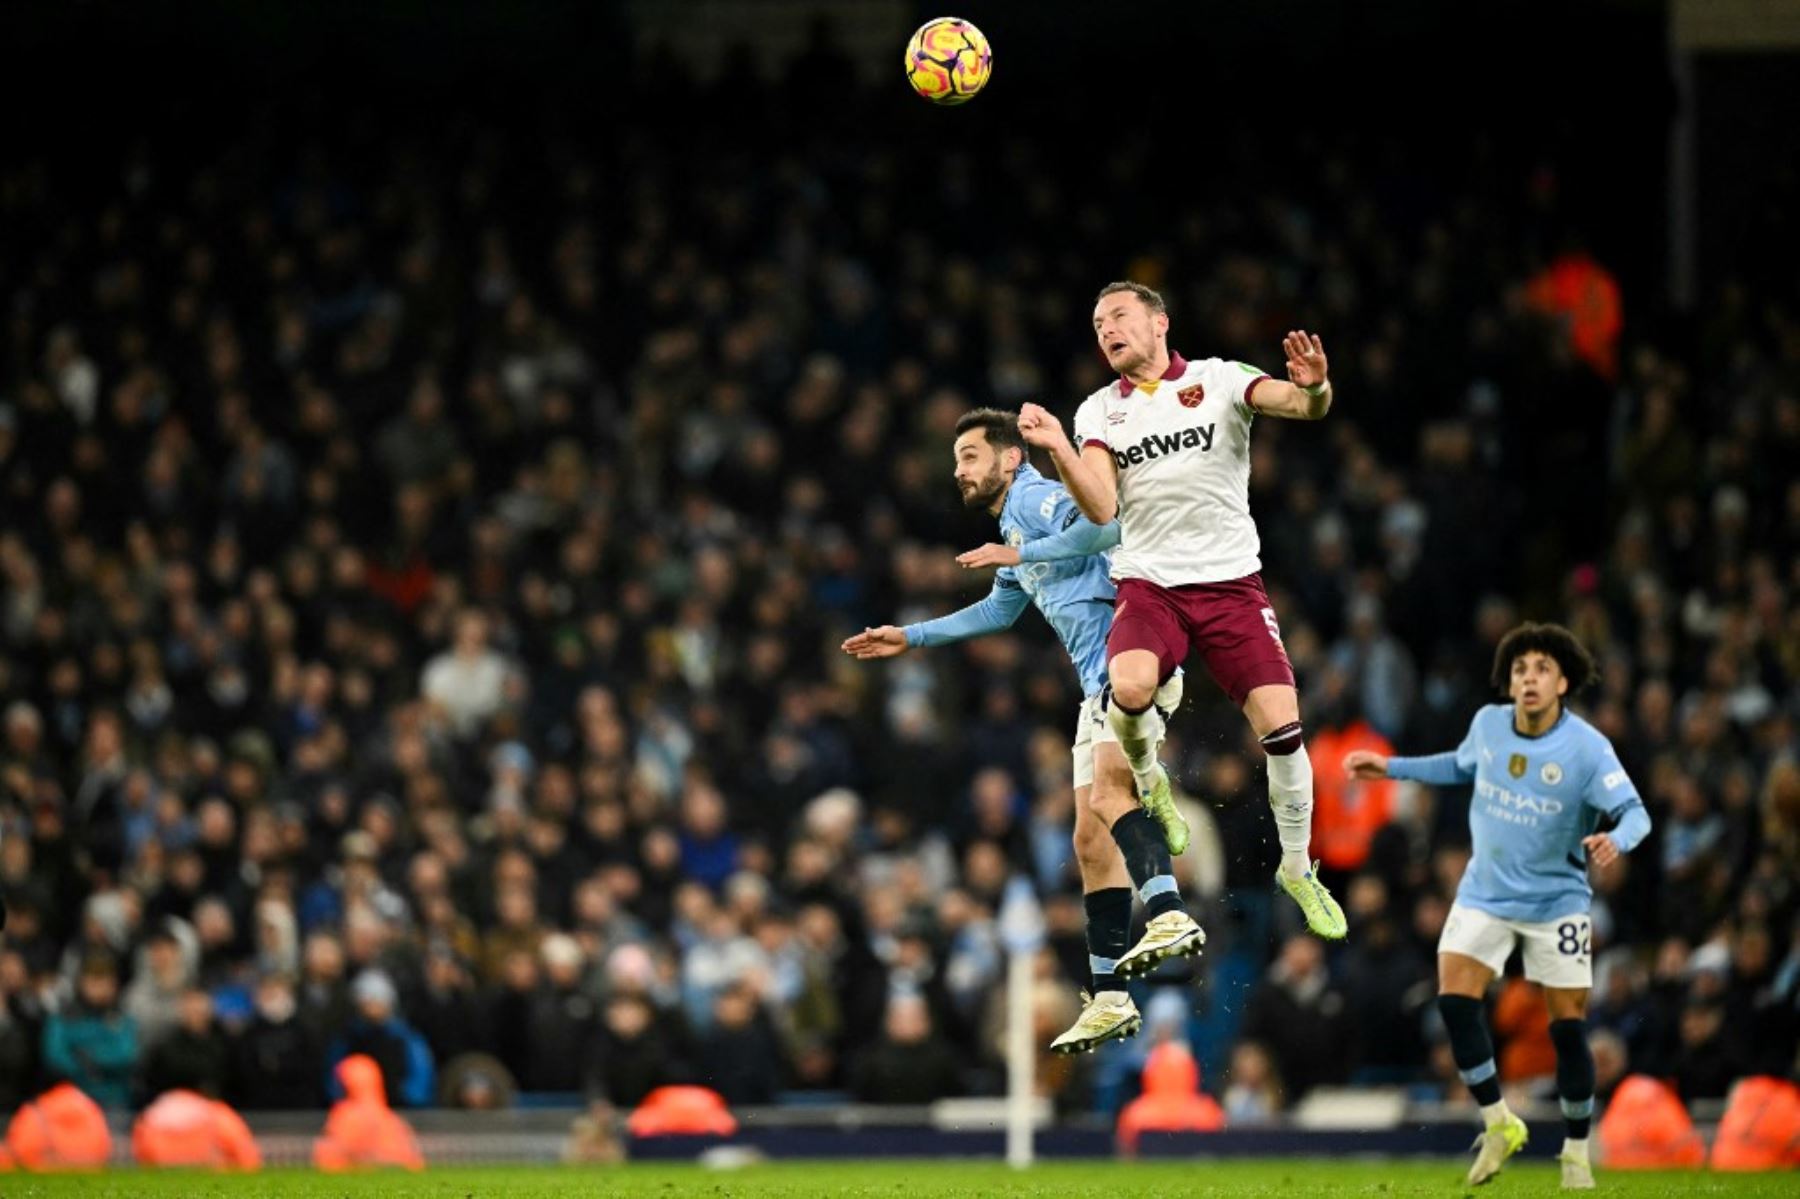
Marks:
<point>1574,1075</point>
<point>1108,935</point>
<point>1147,857</point>
<point>1471,1046</point>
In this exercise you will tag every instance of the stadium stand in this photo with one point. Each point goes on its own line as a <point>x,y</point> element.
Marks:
<point>425,540</point>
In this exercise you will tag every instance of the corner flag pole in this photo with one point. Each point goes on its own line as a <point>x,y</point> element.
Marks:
<point>1022,932</point>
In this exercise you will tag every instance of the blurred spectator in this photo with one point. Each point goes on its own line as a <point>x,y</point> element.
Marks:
<point>1708,1061</point>
<point>740,1056</point>
<point>1172,1100</point>
<point>378,1033</point>
<point>1300,1015</point>
<point>362,1131</point>
<point>1254,1092</point>
<point>193,1056</point>
<point>155,996</point>
<point>278,1063</point>
<point>1347,813</point>
<point>909,1063</point>
<point>1521,1025</point>
<point>183,1129</point>
<point>450,1013</point>
<point>1387,985</point>
<point>93,1044</point>
<point>632,1058</point>
<point>564,1019</point>
<point>476,1082</point>
<point>62,1129</point>
<point>467,682</point>
<point>1612,1062</point>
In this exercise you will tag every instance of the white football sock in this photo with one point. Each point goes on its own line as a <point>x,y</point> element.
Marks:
<point>1576,1149</point>
<point>1291,799</point>
<point>1139,734</point>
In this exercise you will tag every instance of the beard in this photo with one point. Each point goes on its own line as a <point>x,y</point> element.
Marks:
<point>986,491</point>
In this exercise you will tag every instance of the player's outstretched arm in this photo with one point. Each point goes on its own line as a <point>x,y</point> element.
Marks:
<point>1090,473</point>
<point>1452,768</point>
<point>887,641</point>
<point>991,554</point>
<point>1365,764</point>
<point>995,612</point>
<point>1307,394</point>
<point>1080,539</point>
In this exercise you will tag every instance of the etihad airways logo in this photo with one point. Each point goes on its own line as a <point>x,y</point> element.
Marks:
<point>1160,445</point>
<point>1517,802</point>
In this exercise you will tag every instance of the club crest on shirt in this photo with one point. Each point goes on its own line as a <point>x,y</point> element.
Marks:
<point>1190,397</point>
<point>1551,773</point>
<point>1515,766</point>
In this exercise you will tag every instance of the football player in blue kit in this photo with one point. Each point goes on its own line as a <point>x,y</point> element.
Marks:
<point>1056,559</point>
<point>1549,797</point>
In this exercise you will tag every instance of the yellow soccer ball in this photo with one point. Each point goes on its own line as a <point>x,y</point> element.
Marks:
<point>948,61</point>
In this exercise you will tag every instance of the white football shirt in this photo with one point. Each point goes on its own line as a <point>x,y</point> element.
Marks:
<point>1183,453</point>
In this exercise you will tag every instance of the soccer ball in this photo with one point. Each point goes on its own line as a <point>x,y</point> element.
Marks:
<point>948,61</point>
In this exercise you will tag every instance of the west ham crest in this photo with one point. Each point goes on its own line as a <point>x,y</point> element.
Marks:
<point>1190,397</point>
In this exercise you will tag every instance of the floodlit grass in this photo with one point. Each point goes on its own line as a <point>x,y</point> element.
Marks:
<point>903,1180</point>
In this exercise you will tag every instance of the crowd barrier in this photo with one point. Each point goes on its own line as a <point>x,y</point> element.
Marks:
<point>958,1129</point>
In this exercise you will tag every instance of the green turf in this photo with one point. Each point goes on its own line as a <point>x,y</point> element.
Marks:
<point>901,1180</point>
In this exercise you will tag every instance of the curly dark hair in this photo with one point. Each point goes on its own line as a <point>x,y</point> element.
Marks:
<point>1552,639</point>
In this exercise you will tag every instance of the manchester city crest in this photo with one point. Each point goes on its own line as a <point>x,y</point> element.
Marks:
<point>1551,773</point>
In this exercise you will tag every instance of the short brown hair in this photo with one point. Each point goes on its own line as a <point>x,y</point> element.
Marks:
<point>1000,427</point>
<point>1553,640</point>
<point>1152,299</point>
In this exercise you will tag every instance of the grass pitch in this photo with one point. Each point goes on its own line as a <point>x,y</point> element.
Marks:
<point>895,1180</point>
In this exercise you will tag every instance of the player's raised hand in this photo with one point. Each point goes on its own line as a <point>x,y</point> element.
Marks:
<point>1040,428</point>
<point>1306,365</point>
<point>1364,764</point>
<point>888,641</point>
<point>1602,850</point>
<point>990,554</point>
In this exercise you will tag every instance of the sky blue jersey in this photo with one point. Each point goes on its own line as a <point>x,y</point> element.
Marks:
<point>1064,568</point>
<point>1535,798</point>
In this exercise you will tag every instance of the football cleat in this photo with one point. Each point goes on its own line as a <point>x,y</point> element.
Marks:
<point>1170,935</point>
<point>1108,1016</point>
<point>1323,915</point>
<point>1577,1174</point>
<point>1494,1146</point>
<point>1159,802</point>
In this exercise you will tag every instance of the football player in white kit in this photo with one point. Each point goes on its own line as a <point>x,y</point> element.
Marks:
<point>1165,449</point>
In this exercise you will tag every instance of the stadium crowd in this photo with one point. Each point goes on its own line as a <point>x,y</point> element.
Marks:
<point>424,553</point>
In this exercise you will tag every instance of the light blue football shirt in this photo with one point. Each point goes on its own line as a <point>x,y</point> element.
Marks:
<point>1534,800</point>
<point>1075,594</point>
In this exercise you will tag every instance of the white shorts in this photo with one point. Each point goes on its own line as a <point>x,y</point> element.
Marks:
<point>1556,952</point>
<point>1091,728</point>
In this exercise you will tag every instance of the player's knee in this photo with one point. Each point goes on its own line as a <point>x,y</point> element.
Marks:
<point>1111,795</point>
<point>1133,690</point>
